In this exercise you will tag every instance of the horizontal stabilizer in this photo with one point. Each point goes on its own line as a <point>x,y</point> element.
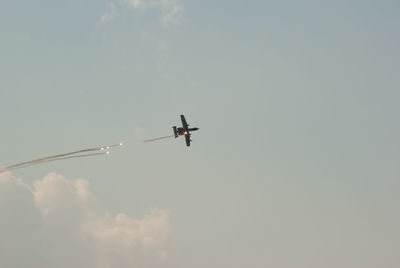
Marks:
<point>175,132</point>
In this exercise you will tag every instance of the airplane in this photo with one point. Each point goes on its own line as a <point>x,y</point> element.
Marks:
<point>184,130</point>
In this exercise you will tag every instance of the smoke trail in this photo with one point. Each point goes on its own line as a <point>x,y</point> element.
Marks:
<point>160,138</point>
<point>74,154</point>
<point>105,147</point>
<point>36,162</point>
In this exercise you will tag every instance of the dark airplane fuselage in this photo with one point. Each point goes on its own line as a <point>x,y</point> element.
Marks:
<point>184,130</point>
<point>181,130</point>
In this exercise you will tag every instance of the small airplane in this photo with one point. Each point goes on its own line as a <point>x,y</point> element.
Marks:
<point>184,130</point>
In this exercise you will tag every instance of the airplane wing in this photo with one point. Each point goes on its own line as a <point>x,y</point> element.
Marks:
<point>187,138</point>
<point>184,124</point>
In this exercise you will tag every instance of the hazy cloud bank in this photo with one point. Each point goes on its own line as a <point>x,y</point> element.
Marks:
<point>171,10</point>
<point>57,222</point>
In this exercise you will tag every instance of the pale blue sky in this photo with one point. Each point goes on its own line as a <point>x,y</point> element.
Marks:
<point>296,160</point>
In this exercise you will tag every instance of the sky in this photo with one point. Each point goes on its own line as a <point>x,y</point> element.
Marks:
<point>295,163</point>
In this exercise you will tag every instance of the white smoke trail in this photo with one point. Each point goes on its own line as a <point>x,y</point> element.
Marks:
<point>160,138</point>
<point>74,154</point>
<point>33,163</point>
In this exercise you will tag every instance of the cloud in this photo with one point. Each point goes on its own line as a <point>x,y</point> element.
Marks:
<point>111,14</point>
<point>171,10</point>
<point>58,222</point>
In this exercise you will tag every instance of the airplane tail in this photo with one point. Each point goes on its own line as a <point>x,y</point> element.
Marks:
<point>175,132</point>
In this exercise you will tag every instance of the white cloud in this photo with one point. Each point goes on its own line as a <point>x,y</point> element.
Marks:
<point>111,14</point>
<point>58,223</point>
<point>171,10</point>
<point>137,3</point>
